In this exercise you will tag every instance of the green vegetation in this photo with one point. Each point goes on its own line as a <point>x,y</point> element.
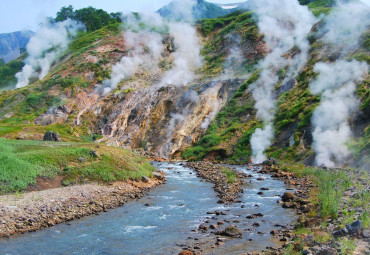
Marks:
<point>331,185</point>
<point>22,162</point>
<point>87,40</point>
<point>223,31</point>
<point>8,71</point>
<point>230,175</point>
<point>318,7</point>
<point>92,18</point>
<point>229,134</point>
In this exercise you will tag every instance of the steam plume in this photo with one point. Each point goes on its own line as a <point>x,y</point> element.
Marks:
<point>187,56</point>
<point>336,84</point>
<point>44,48</point>
<point>346,24</point>
<point>144,47</point>
<point>285,25</point>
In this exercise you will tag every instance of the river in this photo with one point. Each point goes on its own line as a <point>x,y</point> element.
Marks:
<point>164,220</point>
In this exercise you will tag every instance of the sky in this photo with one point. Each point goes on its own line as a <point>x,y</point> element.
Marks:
<point>18,15</point>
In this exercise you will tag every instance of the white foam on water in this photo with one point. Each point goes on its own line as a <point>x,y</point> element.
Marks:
<point>130,229</point>
<point>153,208</point>
<point>162,217</point>
<point>165,197</point>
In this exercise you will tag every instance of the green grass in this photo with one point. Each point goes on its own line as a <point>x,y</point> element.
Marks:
<point>21,162</point>
<point>219,30</point>
<point>230,175</point>
<point>229,126</point>
<point>331,185</point>
<point>319,7</point>
<point>8,71</point>
<point>86,40</point>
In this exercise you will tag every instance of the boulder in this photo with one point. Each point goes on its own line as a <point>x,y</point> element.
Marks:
<point>186,253</point>
<point>52,136</point>
<point>288,196</point>
<point>145,179</point>
<point>158,176</point>
<point>327,251</point>
<point>94,154</point>
<point>274,232</point>
<point>309,240</point>
<point>354,227</point>
<point>232,231</point>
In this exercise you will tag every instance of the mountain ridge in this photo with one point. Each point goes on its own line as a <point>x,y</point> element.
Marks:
<point>12,43</point>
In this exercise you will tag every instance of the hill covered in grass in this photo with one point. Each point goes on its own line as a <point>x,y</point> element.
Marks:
<point>24,162</point>
<point>231,48</point>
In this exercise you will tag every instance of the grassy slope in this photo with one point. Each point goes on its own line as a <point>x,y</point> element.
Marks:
<point>229,134</point>
<point>220,34</point>
<point>8,71</point>
<point>25,104</point>
<point>21,162</point>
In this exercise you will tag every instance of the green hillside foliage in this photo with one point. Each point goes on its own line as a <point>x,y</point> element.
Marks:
<point>319,7</point>
<point>224,31</point>
<point>8,71</point>
<point>87,40</point>
<point>229,134</point>
<point>92,18</point>
<point>22,162</point>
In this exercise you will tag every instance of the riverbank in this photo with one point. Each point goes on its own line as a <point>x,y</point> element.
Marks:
<point>28,212</point>
<point>333,208</point>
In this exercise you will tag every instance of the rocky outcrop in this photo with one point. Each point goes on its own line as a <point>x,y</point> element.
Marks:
<point>52,136</point>
<point>52,116</point>
<point>162,120</point>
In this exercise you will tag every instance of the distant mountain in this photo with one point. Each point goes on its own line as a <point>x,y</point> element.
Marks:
<point>233,6</point>
<point>201,10</point>
<point>12,43</point>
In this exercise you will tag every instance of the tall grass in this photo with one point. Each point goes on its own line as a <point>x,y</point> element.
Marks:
<point>331,185</point>
<point>230,175</point>
<point>21,162</point>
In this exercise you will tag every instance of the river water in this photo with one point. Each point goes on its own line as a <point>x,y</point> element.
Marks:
<point>175,210</point>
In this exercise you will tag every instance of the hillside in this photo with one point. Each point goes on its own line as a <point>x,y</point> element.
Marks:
<point>174,122</point>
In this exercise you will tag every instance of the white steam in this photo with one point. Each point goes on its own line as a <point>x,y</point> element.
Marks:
<point>178,119</point>
<point>144,40</point>
<point>187,58</point>
<point>145,48</point>
<point>346,24</point>
<point>336,85</point>
<point>285,24</point>
<point>45,48</point>
<point>144,52</point>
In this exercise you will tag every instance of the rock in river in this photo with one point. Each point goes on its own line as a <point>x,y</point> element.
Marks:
<point>232,231</point>
<point>288,196</point>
